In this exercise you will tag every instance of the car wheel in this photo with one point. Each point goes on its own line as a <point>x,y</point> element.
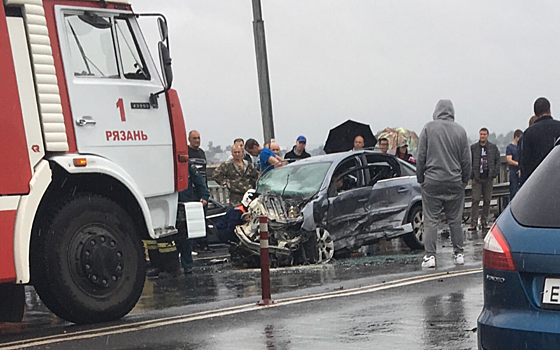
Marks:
<point>414,240</point>
<point>325,245</point>
<point>88,262</point>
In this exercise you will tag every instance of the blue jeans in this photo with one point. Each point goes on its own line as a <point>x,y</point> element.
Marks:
<point>513,185</point>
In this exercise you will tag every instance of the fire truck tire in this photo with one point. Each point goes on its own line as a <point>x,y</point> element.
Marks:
<point>88,262</point>
<point>12,302</point>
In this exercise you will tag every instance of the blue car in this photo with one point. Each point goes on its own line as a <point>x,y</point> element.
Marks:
<point>521,260</point>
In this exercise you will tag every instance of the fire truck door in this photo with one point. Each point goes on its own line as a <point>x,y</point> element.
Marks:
<point>110,76</point>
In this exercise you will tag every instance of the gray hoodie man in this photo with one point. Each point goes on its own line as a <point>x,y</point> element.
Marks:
<point>443,167</point>
<point>443,149</point>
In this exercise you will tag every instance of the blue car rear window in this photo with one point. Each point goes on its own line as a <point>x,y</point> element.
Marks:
<point>537,204</point>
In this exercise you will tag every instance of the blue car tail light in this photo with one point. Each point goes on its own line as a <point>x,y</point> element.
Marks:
<point>497,253</point>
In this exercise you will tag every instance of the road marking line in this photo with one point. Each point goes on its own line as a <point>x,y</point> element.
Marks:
<point>167,321</point>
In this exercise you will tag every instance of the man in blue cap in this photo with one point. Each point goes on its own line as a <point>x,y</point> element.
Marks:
<point>298,151</point>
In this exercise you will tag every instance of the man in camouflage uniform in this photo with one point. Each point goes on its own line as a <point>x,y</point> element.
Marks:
<point>237,174</point>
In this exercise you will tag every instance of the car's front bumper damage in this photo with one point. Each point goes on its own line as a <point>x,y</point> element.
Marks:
<point>292,226</point>
<point>286,235</point>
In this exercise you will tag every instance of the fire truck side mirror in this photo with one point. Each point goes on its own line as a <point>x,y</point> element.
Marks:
<point>165,61</point>
<point>163,32</point>
<point>164,58</point>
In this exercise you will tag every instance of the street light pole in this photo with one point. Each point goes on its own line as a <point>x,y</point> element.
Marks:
<point>262,72</point>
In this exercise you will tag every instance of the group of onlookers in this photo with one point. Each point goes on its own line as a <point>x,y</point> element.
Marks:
<point>383,143</point>
<point>445,163</point>
<point>249,160</point>
<point>239,173</point>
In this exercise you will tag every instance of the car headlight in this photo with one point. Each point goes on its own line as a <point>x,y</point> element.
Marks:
<point>291,212</point>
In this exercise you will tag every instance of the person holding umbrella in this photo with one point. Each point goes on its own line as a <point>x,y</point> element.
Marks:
<point>342,137</point>
<point>359,143</point>
<point>402,153</point>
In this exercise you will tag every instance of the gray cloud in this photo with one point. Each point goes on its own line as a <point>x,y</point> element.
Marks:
<point>385,63</point>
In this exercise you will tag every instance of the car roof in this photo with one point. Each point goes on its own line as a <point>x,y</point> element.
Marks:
<point>336,157</point>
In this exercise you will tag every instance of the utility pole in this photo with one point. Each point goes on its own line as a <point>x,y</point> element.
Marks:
<point>262,72</point>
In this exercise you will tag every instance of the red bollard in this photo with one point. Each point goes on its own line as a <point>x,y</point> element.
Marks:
<point>265,263</point>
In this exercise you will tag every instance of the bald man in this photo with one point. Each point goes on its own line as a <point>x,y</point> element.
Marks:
<point>359,143</point>
<point>275,148</point>
<point>195,152</point>
<point>237,174</point>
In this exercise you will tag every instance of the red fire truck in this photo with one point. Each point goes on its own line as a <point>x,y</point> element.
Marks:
<point>93,152</point>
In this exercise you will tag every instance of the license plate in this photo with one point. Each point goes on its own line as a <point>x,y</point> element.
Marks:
<point>551,292</point>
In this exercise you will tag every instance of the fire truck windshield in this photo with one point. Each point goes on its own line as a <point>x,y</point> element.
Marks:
<point>92,49</point>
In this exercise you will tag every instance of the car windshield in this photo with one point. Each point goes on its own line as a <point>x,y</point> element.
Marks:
<point>298,180</point>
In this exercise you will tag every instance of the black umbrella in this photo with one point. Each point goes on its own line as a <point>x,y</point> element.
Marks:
<point>341,138</point>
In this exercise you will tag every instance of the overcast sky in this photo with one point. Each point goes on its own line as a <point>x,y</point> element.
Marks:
<point>382,62</point>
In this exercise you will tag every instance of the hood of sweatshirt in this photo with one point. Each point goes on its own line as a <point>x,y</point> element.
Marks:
<point>444,111</point>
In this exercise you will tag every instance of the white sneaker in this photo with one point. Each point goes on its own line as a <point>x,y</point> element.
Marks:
<point>429,261</point>
<point>459,259</point>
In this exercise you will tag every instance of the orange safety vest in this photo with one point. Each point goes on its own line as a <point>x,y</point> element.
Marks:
<point>242,208</point>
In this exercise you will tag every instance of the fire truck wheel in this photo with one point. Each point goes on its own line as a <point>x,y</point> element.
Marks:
<point>88,263</point>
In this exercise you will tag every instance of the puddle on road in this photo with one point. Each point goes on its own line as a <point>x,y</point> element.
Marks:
<point>445,324</point>
<point>224,282</point>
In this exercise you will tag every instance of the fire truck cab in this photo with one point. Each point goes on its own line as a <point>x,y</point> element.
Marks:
<point>94,151</point>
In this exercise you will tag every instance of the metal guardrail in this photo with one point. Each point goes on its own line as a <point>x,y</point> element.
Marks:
<point>500,199</point>
<point>219,193</point>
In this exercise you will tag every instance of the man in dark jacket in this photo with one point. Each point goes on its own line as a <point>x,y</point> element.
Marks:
<point>298,151</point>
<point>196,192</point>
<point>443,168</point>
<point>196,154</point>
<point>485,167</point>
<point>538,139</point>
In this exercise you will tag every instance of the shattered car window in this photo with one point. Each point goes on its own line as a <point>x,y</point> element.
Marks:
<point>302,180</point>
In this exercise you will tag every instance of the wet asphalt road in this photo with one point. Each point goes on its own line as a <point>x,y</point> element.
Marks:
<point>214,308</point>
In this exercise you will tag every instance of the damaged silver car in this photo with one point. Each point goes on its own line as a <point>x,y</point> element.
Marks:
<point>330,205</point>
